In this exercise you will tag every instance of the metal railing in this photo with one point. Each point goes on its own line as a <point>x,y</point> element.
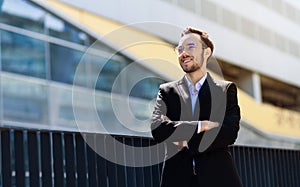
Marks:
<point>55,158</point>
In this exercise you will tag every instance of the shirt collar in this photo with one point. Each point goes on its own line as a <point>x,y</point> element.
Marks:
<point>198,84</point>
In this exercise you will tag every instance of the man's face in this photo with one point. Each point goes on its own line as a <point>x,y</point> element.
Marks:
<point>190,53</point>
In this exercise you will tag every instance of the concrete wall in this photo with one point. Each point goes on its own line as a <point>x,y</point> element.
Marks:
<point>250,136</point>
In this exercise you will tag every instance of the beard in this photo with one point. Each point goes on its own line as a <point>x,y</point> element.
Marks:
<point>190,69</point>
<point>196,66</point>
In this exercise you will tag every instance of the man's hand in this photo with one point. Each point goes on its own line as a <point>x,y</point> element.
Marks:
<point>207,125</point>
<point>164,118</point>
<point>180,144</point>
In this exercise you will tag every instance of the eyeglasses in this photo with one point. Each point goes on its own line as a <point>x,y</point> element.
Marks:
<point>190,47</point>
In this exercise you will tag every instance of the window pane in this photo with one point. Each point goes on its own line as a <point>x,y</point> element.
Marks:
<point>146,88</point>
<point>61,113</point>
<point>24,101</point>
<point>95,63</point>
<point>23,14</point>
<point>143,84</point>
<point>111,69</point>
<point>60,29</point>
<point>22,54</point>
<point>64,62</point>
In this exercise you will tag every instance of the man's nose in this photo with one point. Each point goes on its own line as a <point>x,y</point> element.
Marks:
<point>184,54</point>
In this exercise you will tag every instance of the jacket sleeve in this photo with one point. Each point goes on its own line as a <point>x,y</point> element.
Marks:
<point>163,130</point>
<point>227,132</point>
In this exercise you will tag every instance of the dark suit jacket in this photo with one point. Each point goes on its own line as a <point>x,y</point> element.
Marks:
<point>213,162</point>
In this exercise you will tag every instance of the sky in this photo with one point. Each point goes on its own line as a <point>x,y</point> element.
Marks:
<point>296,3</point>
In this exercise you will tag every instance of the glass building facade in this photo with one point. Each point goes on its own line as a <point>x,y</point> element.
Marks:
<point>50,70</point>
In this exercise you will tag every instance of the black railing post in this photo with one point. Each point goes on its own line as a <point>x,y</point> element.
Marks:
<point>80,161</point>
<point>120,158</point>
<point>297,167</point>
<point>156,157</point>
<point>137,142</point>
<point>33,159</point>
<point>101,162</point>
<point>111,167</point>
<point>46,159</point>
<point>70,159</point>
<point>129,158</point>
<point>58,167</point>
<point>148,178</point>
<point>19,158</point>
<point>91,160</point>
<point>6,158</point>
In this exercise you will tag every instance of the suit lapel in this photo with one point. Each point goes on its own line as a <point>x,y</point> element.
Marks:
<point>186,99</point>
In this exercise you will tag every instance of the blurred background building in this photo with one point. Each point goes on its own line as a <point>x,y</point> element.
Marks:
<point>96,66</point>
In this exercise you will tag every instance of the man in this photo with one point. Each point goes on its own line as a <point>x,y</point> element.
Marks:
<point>197,118</point>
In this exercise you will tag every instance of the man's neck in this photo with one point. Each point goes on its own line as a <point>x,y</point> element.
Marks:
<point>195,77</point>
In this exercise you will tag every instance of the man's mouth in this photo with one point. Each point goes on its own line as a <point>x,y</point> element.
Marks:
<point>187,60</point>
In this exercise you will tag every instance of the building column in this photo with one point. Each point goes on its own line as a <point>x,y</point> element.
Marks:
<point>250,83</point>
<point>257,87</point>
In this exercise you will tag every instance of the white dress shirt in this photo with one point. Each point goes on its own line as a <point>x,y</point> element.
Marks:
<point>194,91</point>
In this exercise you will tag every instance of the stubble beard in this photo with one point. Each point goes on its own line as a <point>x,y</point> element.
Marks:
<point>191,69</point>
<point>194,67</point>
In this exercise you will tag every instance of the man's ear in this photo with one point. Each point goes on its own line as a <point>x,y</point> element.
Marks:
<point>207,53</point>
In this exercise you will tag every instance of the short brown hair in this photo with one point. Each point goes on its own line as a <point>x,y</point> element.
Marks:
<point>203,35</point>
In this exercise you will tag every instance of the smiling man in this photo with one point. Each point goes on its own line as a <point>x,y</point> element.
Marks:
<point>197,118</point>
